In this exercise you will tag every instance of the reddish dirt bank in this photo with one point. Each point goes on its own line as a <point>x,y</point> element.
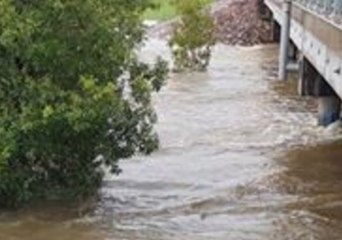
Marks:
<point>238,22</point>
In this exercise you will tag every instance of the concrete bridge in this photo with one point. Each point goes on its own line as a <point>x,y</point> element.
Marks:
<point>310,34</point>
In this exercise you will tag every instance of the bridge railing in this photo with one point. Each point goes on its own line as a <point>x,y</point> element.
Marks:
<point>330,8</point>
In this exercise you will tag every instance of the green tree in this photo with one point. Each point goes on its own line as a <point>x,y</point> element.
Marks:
<point>73,96</point>
<point>193,36</point>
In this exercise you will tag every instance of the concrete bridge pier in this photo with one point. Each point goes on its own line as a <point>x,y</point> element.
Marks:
<point>285,40</point>
<point>311,83</point>
<point>292,52</point>
<point>307,76</point>
<point>329,109</point>
<point>329,103</point>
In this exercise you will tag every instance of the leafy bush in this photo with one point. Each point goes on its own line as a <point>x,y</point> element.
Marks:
<point>192,37</point>
<point>73,96</point>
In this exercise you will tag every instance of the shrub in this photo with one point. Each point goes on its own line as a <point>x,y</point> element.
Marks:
<point>73,95</point>
<point>192,37</point>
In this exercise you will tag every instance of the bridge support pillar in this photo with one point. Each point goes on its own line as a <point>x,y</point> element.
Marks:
<point>275,31</point>
<point>285,40</point>
<point>307,76</point>
<point>329,104</point>
<point>329,109</point>
<point>293,52</point>
<point>311,83</point>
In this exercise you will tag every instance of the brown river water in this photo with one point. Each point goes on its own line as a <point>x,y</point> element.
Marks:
<point>241,158</point>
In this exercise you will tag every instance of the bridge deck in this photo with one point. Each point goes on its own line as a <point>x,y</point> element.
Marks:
<point>318,37</point>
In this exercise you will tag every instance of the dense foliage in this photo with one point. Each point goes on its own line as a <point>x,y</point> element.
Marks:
<point>73,96</point>
<point>192,37</point>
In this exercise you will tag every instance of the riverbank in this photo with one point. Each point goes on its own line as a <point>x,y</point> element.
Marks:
<point>237,23</point>
<point>165,10</point>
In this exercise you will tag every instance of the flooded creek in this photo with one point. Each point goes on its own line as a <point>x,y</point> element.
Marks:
<point>240,158</point>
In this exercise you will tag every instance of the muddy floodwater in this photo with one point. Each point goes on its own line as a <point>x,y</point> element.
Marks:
<point>241,158</point>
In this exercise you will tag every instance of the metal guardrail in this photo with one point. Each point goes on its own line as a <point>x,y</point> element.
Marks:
<point>329,8</point>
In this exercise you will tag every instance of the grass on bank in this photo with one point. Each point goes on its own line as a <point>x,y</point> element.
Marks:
<point>165,10</point>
